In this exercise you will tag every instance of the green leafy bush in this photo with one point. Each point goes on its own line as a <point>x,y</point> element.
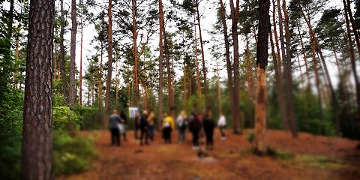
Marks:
<point>91,118</point>
<point>11,113</point>
<point>65,120</point>
<point>72,154</point>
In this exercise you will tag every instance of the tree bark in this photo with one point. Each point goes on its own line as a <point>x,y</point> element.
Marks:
<point>161,34</point>
<point>235,95</point>
<point>288,76</point>
<point>261,62</point>
<point>37,117</point>
<point>110,60</point>
<point>72,53</point>
<point>202,55</point>
<point>288,73</point>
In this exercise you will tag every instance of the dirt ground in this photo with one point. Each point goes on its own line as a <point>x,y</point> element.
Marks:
<point>307,157</point>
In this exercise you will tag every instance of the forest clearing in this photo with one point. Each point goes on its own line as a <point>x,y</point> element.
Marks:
<point>307,157</point>
<point>282,76</point>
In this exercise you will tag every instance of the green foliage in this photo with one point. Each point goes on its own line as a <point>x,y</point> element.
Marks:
<point>91,118</point>
<point>349,123</point>
<point>58,100</point>
<point>308,113</point>
<point>65,120</point>
<point>10,133</point>
<point>72,154</point>
<point>10,158</point>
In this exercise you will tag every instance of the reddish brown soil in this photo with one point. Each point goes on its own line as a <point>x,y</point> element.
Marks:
<point>314,157</point>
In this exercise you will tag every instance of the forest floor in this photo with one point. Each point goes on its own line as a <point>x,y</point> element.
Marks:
<point>307,157</point>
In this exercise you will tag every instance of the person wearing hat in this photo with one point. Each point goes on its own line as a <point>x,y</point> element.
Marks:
<point>144,128</point>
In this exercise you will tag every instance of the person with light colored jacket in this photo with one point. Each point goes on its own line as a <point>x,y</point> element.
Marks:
<point>221,124</point>
<point>181,123</point>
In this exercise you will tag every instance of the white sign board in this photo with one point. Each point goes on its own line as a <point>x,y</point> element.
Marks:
<point>132,111</point>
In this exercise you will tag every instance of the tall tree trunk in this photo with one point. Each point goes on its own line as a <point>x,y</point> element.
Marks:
<point>261,62</point>
<point>283,55</point>
<point>72,53</point>
<point>109,73</point>
<point>352,59</point>
<point>334,101</point>
<point>16,73</point>
<point>37,117</point>
<point>92,94</point>
<point>10,23</point>
<point>318,82</point>
<point>288,76</point>
<point>81,56</point>
<point>337,63</point>
<point>100,83</point>
<point>184,100</point>
<point>168,70</point>
<point>219,88</point>
<point>248,69</point>
<point>197,71</point>
<point>62,54</point>
<point>305,61</point>
<point>116,85</point>
<point>227,55</point>
<point>202,55</point>
<point>135,34</point>
<point>161,56</point>
<point>302,81</point>
<point>279,88</point>
<point>235,95</point>
<point>278,75</point>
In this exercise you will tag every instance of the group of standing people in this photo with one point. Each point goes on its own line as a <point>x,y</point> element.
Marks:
<point>198,124</point>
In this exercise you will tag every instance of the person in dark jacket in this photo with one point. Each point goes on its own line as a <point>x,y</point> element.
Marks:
<point>124,122</point>
<point>195,127</point>
<point>137,125</point>
<point>114,122</point>
<point>209,127</point>
<point>144,128</point>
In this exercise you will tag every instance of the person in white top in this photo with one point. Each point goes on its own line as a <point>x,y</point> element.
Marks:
<point>221,124</point>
